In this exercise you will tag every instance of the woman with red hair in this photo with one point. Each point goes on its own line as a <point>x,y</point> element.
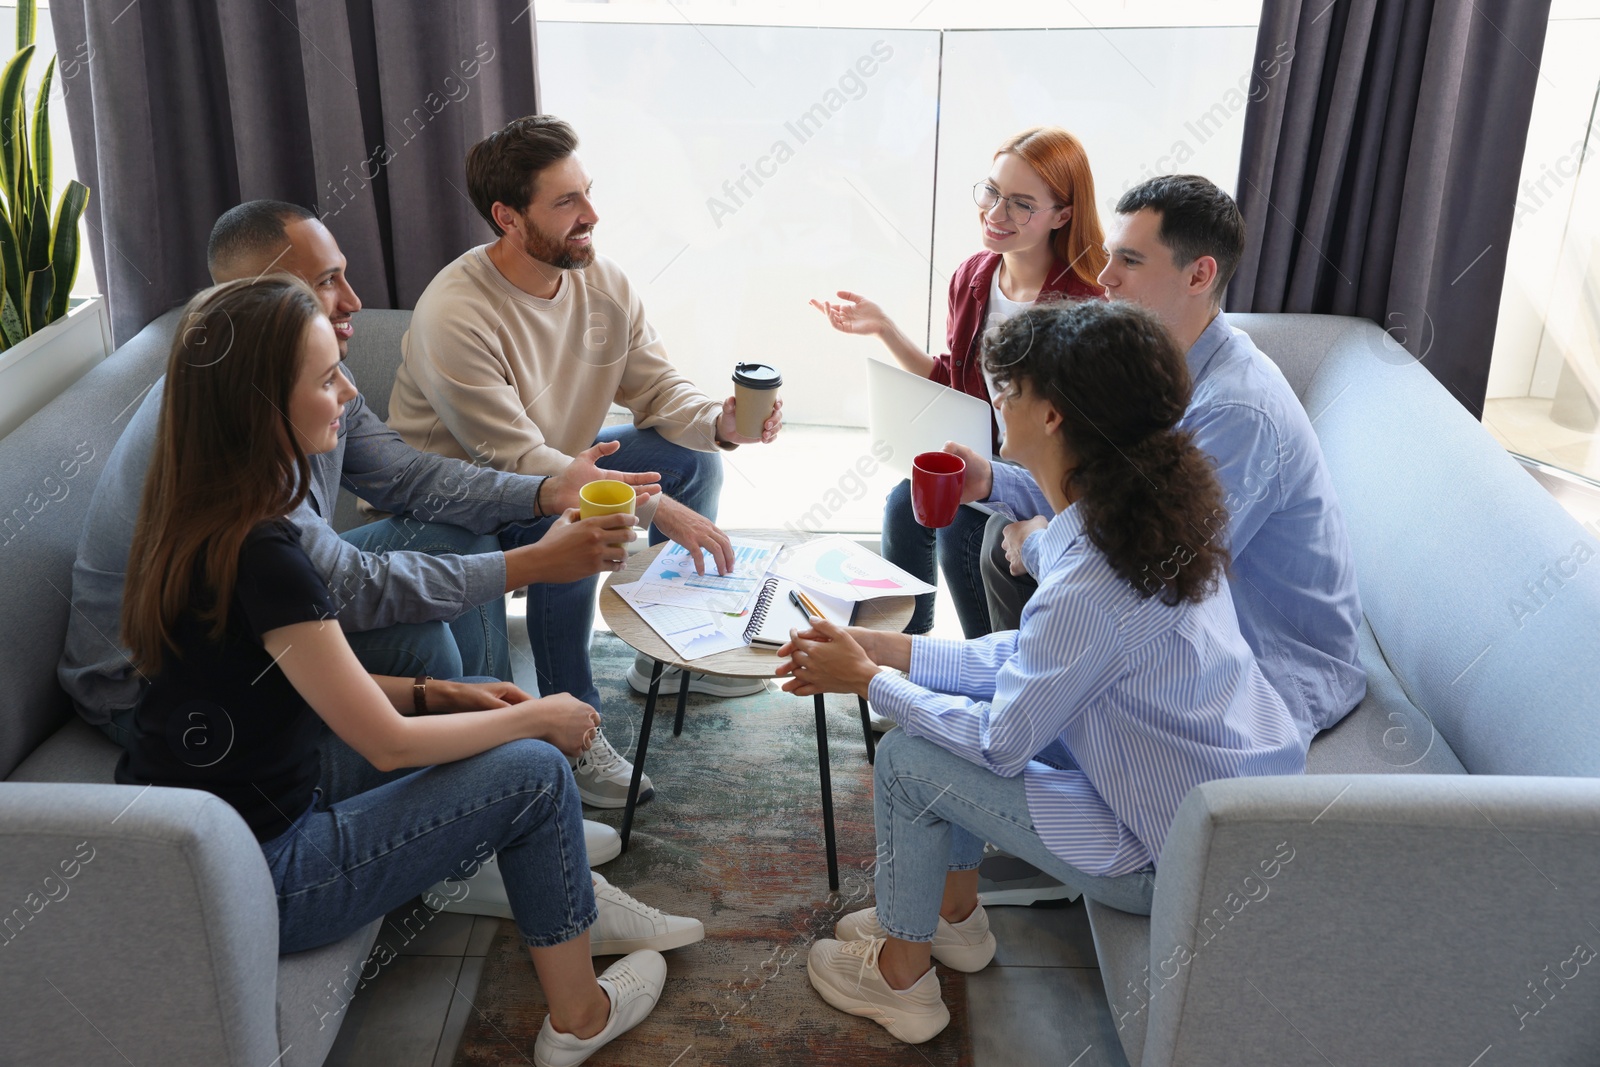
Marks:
<point>1042,241</point>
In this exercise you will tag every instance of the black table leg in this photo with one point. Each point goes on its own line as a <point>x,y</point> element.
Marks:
<point>638,754</point>
<point>866,728</point>
<point>827,794</point>
<point>683,699</point>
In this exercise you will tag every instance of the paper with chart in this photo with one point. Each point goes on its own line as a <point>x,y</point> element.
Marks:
<point>837,566</point>
<point>671,580</point>
<point>692,632</point>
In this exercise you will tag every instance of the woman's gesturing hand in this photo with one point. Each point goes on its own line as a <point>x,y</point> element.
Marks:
<point>857,315</point>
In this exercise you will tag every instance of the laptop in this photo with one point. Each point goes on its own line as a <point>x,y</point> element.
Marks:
<point>911,415</point>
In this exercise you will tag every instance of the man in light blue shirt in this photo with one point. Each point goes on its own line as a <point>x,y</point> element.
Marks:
<point>1174,244</point>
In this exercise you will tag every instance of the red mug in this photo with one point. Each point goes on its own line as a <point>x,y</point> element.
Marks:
<point>936,482</point>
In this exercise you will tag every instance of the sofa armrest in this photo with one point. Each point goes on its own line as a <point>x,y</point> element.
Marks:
<point>1378,919</point>
<point>136,924</point>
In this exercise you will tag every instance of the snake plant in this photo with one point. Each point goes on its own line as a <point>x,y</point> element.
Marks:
<point>38,250</point>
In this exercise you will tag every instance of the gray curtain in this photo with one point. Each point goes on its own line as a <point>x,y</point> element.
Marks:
<point>360,110</point>
<point>1378,177</point>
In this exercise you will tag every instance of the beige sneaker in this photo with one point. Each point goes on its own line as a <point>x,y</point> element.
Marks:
<point>964,946</point>
<point>846,974</point>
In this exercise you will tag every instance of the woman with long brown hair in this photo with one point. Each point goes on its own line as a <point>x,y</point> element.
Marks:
<point>238,635</point>
<point>1042,242</point>
<point>1070,742</point>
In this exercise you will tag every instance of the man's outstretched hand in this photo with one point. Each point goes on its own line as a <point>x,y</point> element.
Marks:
<point>560,491</point>
<point>695,532</point>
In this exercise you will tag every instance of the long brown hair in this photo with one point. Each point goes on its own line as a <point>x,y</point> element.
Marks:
<point>1149,498</point>
<point>1059,158</point>
<point>225,459</point>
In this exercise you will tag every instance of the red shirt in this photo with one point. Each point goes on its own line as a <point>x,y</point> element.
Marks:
<point>960,368</point>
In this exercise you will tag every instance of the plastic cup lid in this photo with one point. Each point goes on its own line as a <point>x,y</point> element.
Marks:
<point>757,376</point>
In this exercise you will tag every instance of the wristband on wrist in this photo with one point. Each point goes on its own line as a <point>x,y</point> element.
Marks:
<point>419,694</point>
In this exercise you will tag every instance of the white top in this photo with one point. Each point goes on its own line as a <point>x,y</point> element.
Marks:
<point>999,309</point>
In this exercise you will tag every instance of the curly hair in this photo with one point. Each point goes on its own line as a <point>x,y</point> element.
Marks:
<point>1149,498</point>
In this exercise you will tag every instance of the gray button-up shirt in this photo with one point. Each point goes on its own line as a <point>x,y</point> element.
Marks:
<point>370,590</point>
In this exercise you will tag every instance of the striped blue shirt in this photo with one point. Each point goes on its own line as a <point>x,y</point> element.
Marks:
<point>1294,582</point>
<point>1111,706</point>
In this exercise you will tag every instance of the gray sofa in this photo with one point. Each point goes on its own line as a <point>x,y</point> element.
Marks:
<point>135,925</point>
<point>1416,899</point>
<point>1418,896</point>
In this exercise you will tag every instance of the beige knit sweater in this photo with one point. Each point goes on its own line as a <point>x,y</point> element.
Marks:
<point>493,375</point>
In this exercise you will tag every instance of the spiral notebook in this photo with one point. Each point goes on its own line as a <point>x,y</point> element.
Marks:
<point>774,616</point>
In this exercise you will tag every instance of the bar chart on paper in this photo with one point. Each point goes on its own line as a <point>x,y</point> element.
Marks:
<point>671,578</point>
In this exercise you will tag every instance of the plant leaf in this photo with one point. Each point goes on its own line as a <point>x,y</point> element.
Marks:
<point>10,322</point>
<point>13,127</point>
<point>43,157</point>
<point>36,253</point>
<point>65,248</point>
<point>11,261</point>
<point>41,286</point>
<point>27,19</point>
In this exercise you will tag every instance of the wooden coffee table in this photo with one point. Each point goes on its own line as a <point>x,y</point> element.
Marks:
<point>886,613</point>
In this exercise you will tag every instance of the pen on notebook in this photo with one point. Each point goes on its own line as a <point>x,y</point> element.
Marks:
<point>794,598</point>
<point>808,606</point>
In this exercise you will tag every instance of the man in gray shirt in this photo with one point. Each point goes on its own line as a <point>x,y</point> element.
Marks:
<point>419,594</point>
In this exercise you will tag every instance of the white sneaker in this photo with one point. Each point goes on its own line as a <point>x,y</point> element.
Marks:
<point>603,776</point>
<point>964,946</point>
<point>881,724</point>
<point>634,985</point>
<point>602,842</point>
<point>710,684</point>
<point>486,890</point>
<point>846,974</point>
<point>626,925</point>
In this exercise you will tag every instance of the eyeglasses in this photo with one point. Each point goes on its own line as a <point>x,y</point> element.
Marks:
<point>987,196</point>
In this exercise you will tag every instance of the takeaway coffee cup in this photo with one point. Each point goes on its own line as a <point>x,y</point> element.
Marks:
<point>755,392</point>
<point>605,497</point>
<point>936,482</point>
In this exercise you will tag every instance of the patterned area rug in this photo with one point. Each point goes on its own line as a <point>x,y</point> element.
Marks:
<point>733,837</point>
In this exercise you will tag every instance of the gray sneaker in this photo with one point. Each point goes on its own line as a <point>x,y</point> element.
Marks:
<point>712,685</point>
<point>603,776</point>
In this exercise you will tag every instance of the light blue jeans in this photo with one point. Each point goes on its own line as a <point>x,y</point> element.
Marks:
<point>473,643</point>
<point>934,812</point>
<point>370,841</point>
<point>561,616</point>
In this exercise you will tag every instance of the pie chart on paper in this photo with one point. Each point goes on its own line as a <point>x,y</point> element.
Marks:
<point>836,566</point>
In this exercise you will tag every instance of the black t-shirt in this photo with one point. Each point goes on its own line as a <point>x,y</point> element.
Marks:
<point>221,715</point>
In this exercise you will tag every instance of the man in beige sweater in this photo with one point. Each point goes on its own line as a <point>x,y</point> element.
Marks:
<point>515,354</point>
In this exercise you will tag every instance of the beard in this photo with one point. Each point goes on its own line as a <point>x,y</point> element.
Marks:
<point>555,251</point>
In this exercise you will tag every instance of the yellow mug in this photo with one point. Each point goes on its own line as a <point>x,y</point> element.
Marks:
<point>605,497</point>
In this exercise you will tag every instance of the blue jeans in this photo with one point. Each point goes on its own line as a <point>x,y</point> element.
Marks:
<point>934,810</point>
<point>370,841</point>
<point>561,617</point>
<point>910,546</point>
<point>473,643</point>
